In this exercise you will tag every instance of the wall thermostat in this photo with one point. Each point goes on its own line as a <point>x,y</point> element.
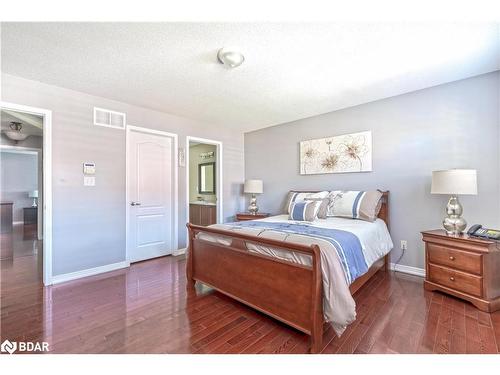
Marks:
<point>88,168</point>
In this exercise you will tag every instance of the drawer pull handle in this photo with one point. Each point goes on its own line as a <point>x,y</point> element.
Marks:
<point>452,257</point>
<point>452,278</point>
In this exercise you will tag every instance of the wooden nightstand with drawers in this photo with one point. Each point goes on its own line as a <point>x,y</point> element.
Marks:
<point>245,216</point>
<point>463,266</point>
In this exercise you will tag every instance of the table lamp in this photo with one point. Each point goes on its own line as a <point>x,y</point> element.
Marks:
<point>253,187</point>
<point>33,194</point>
<point>454,182</point>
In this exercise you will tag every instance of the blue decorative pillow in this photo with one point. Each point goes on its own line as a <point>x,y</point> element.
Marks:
<point>304,210</point>
<point>299,196</point>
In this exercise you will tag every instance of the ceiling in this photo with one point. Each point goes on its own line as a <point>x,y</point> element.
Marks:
<point>31,124</point>
<point>291,70</point>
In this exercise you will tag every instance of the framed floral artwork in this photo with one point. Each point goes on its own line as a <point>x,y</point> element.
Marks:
<point>338,154</point>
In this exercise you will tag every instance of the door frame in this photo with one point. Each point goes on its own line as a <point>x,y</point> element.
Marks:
<point>46,114</point>
<point>220,172</point>
<point>130,128</point>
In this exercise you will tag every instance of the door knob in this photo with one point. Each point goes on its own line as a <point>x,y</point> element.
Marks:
<point>135,204</point>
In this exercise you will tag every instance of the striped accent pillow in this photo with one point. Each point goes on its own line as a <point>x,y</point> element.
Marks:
<point>304,210</point>
<point>297,196</point>
<point>323,207</point>
<point>363,205</point>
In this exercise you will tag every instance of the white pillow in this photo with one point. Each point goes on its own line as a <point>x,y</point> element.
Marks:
<point>363,205</point>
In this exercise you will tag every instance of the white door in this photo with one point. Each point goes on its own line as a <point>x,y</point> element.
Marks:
<point>151,196</point>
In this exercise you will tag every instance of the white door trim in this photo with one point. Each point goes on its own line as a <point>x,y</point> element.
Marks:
<point>47,182</point>
<point>220,172</point>
<point>130,128</point>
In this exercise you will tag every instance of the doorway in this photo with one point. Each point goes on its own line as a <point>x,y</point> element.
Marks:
<point>21,182</point>
<point>151,193</point>
<point>203,181</point>
<point>26,191</point>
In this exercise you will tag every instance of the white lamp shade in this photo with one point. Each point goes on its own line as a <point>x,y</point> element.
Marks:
<point>454,181</point>
<point>33,194</point>
<point>254,187</point>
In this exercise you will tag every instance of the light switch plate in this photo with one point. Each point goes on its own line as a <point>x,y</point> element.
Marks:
<point>88,181</point>
<point>182,157</point>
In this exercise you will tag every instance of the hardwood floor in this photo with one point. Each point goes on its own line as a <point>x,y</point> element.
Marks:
<point>146,309</point>
<point>22,240</point>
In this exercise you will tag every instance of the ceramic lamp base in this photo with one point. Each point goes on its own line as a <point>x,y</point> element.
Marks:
<point>253,209</point>
<point>454,223</point>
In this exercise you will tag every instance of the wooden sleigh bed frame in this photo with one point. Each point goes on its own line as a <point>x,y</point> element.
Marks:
<point>289,292</point>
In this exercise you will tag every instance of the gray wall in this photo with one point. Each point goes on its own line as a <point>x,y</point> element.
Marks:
<point>456,125</point>
<point>19,175</point>
<point>89,222</point>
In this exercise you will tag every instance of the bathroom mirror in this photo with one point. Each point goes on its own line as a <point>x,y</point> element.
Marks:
<point>206,178</point>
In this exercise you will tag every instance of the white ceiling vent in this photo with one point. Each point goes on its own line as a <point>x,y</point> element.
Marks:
<point>111,119</point>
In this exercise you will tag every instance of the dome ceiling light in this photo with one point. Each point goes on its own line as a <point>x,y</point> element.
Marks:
<point>15,132</point>
<point>230,58</point>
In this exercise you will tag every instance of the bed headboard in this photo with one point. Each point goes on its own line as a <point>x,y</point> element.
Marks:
<point>384,208</point>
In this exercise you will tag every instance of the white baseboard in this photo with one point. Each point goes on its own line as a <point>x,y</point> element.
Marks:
<point>408,269</point>
<point>179,252</point>
<point>89,272</point>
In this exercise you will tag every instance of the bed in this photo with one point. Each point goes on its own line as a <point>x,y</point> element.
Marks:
<point>279,268</point>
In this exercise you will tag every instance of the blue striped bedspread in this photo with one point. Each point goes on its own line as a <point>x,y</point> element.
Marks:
<point>346,244</point>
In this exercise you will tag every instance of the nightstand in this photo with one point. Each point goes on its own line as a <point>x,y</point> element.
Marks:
<point>463,266</point>
<point>30,215</point>
<point>244,216</point>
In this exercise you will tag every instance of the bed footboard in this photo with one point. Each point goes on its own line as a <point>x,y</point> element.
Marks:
<point>289,292</point>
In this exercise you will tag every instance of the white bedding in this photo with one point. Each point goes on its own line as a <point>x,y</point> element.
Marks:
<point>374,237</point>
<point>338,305</point>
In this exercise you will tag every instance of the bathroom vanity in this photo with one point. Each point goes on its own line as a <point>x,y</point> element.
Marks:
<point>202,213</point>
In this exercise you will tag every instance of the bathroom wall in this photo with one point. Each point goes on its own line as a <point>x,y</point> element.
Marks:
<point>194,160</point>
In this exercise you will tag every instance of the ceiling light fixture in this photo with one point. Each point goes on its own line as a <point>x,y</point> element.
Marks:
<point>15,132</point>
<point>230,58</point>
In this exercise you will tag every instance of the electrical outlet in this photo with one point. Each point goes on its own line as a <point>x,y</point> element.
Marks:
<point>404,245</point>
